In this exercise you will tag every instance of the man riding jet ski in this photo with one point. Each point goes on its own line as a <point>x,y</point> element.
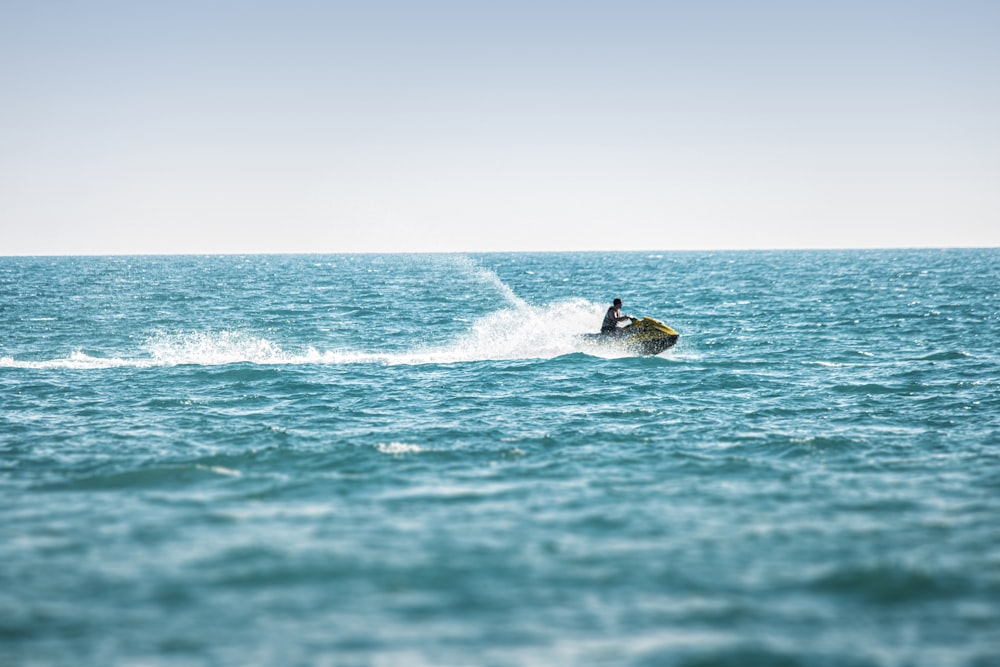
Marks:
<point>613,317</point>
<point>641,336</point>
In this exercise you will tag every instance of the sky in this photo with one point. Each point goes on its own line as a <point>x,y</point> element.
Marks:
<point>225,126</point>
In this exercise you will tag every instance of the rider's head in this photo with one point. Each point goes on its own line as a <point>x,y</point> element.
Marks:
<point>618,303</point>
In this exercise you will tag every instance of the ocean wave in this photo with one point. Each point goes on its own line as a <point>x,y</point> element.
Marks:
<point>945,356</point>
<point>889,584</point>
<point>165,476</point>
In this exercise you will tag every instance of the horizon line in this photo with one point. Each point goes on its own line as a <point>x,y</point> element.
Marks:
<point>487,252</point>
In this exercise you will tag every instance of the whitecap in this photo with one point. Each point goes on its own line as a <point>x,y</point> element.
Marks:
<point>398,448</point>
<point>220,470</point>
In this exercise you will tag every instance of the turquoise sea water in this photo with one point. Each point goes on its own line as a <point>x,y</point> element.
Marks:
<point>411,460</point>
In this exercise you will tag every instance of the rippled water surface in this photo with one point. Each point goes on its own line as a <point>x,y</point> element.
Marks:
<point>413,460</point>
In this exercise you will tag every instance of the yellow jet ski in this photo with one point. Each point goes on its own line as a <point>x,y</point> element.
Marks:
<point>643,336</point>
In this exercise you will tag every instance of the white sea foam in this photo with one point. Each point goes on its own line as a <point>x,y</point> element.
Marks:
<point>194,348</point>
<point>214,349</point>
<point>220,470</point>
<point>519,332</point>
<point>398,448</point>
<point>522,332</point>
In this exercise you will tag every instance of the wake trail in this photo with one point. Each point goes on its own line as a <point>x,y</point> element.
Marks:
<point>519,331</point>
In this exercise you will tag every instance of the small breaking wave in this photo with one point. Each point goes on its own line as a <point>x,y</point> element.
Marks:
<point>398,448</point>
<point>946,356</point>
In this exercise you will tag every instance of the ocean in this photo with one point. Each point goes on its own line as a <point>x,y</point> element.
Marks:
<point>355,460</point>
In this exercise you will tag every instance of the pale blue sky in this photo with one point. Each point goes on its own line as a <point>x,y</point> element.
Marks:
<point>176,126</point>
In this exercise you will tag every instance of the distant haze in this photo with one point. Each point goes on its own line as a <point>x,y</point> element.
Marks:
<point>189,127</point>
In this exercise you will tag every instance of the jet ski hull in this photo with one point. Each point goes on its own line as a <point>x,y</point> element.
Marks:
<point>643,337</point>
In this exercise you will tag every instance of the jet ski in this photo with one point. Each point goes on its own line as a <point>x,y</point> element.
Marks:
<point>644,336</point>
